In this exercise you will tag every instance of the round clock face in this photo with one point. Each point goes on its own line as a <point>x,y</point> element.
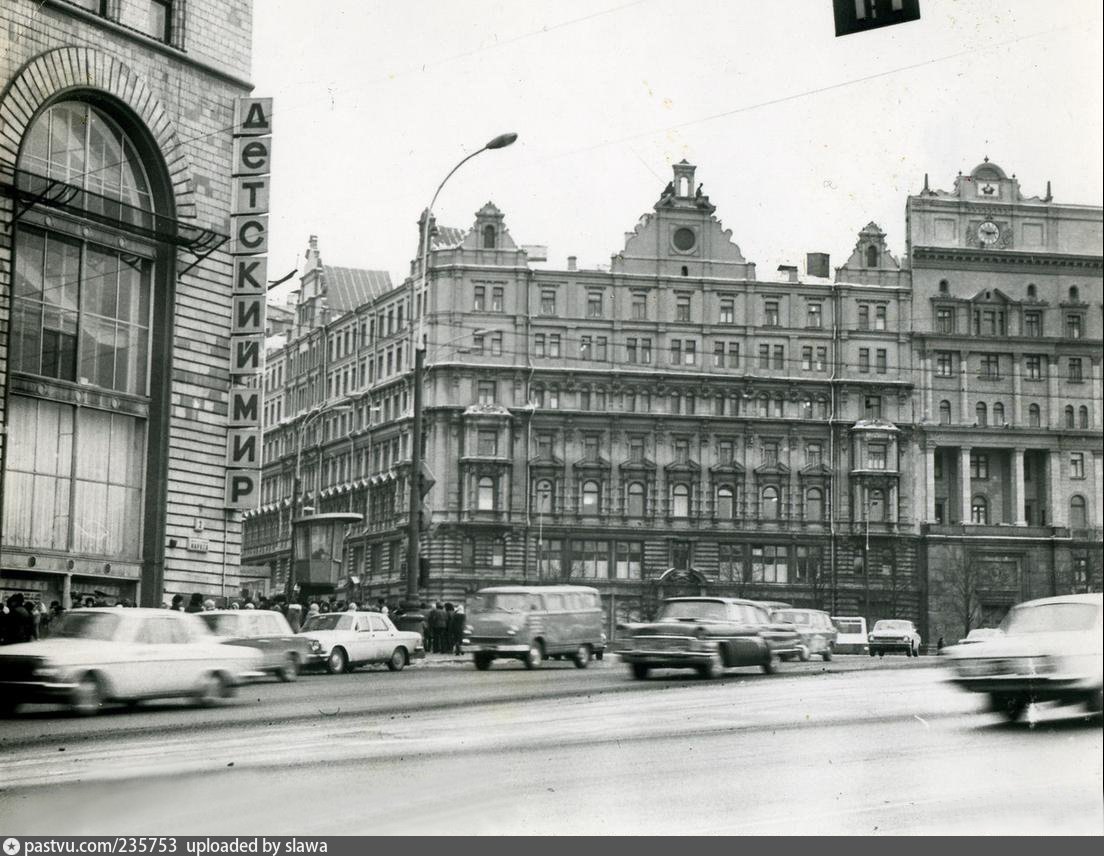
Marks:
<point>684,239</point>
<point>988,232</point>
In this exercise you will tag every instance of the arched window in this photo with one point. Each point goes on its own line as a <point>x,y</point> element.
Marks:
<point>726,505</point>
<point>814,504</point>
<point>1034,416</point>
<point>806,408</point>
<point>636,497</point>
<point>680,500</point>
<point>592,494</point>
<point>982,414</point>
<point>1082,416</point>
<point>488,237</point>
<point>1031,291</point>
<point>764,405</point>
<point>979,510</point>
<point>871,256</point>
<point>822,408</point>
<point>768,503</point>
<point>944,412</point>
<point>1075,294</point>
<point>486,494</point>
<point>875,506</point>
<point>1070,423</point>
<point>944,286</point>
<point>84,312</point>
<point>998,414</point>
<point>1077,517</point>
<point>546,502</point>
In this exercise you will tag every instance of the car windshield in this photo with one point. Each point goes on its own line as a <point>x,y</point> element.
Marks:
<point>85,625</point>
<point>901,626</point>
<point>222,625</point>
<point>1051,618</point>
<point>503,602</point>
<point>792,617</point>
<point>693,610</point>
<point>848,625</point>
<point>981,633</point>
<point>329,621</point>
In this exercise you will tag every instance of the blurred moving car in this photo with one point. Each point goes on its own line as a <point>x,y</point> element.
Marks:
<point>94,656</point>
<point>894,634</point>
<point>851,638</point>
<point>979,634</point>
<point>709,635</point>
<point>1048,650</point>
<point>532,623</point>
<point>818,634</point>
<point>283,652</point>
<point>344,640</point>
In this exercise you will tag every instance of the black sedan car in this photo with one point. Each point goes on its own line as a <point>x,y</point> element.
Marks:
<point>269,632</point>
<point>708,634</point>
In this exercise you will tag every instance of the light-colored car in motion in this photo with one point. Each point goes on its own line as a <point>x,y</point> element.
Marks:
<point>1048,650</point>
<point>344,640</point>
<point>96,656</point>
<point>979,634</point>
<point>283,652</point>
<point>818,634</point>
<point>894,634</point>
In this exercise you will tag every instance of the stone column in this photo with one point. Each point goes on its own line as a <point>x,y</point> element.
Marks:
<point>929,483</point>
<point>1017,390</point>
<point>1018,517</point>
<point>964,484</point>
<point>67,591</point>
<point>1054,406</point>
<point>1056,498</point>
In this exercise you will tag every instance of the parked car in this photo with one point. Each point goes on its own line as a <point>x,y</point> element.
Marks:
<point>979,634</point>
<point>533,623</point>
<point>818,634</point>
<point>283,652</point>
<point>344,640</point>
<point>1048,650</point>
<point>852,635</point>
<point>708,634</point>
<point>894,634</point>
<point>95,656</point>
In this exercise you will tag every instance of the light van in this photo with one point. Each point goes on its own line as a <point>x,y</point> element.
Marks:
<point>852,634</point>
<point>535,623</point>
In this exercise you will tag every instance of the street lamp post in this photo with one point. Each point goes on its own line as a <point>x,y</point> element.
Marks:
<point>413,527</point>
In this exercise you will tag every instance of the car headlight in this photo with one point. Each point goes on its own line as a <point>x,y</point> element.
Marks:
<point>511,631</point>
<point>315,646</point>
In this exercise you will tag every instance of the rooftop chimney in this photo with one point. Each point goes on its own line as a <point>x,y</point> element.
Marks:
<point>572,263</point>
<point>788,273</point>
<point>816,264</point>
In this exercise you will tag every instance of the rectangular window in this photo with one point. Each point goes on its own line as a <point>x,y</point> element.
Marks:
<point>734,355</point>
<point>864,360</point>
<point>806,564</point>
<point>730,562</point>
<point>764,356</point>
<point>821,363</point>
<point>158,23</point>
<point>771,317</point>
<point>864,316</point>
<point>814,316</point>
<point>770,453</point>
<point>807,358</point>
<point>979,467</point>
<point>554,345</point>
<point>601,348</point>
<point>718,354</point>
<point>639,306</point>
<point>629,561</point>
<point>676,352</point>
<point>1033,366</point>
<point>1073,326</point>
<point>498,299</point>
<point>1033,323</point>
<point>496,345</point>
<point>485,390</point>
<point>591,447</point>
<point>590,559</point>
<point>944,320</point>
<point>549,561</point>
<point>944,364</point>
<point>548,301</point>
<point>876,456</point>
<point>690,354</point>
<point>872,406</point>
<point>1075,373</point>
<point>1077,465</point>
<point>545,444</point>
<point>879,317</point>
<point>479,301</point>
<point>636,450</point>
<point>594,304</point>
<point>645,351</point>
<point>728,311</point>
<point>682,308</point>
<point>990,366</point>
<point>586,348</point>
<point>769,563</point>
<point>814,455</point>
<point>725,452</point>
<point>779,357</point>
<point>538,345</point>
<point>487,443</point>
<point>682,451</point>
<point>880,361</point>
<point>630,351</point>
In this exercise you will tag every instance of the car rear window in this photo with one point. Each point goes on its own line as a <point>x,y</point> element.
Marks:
<point>85,625</point>
<point>846,625</point>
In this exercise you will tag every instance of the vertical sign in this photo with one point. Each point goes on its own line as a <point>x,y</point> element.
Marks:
<point>249,247</point>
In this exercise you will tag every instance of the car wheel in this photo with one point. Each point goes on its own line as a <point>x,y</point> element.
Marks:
<point>482,661</point>
<point>713,667</point>
<point>87,697</point>
<point>880,654</point>
<point>8,707</point>
<point>640,671</point>
<point>211,690</point>
<point>582,657</point>
<point>803,654</point>
<point>1011,708</point>
<point>771,666</point>
<point>827,653</point>
<point>398,660</point>
<point>338,662</point>
<point>1095,701</point>
<point>289,671</point>
<point>534,656</point>
<point>872,652</point>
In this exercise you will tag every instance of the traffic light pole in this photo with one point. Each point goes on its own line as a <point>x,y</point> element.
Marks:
<point>413,522</point>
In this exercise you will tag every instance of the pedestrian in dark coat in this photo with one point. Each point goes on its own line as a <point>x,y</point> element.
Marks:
<point>195,604</point>
<point>456,631</point>
<point>20,624</point>
<point>438,620</point>
<point>433,625</point>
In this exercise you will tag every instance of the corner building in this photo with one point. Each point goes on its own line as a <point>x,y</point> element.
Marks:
<point>115,151</point>
<point>670,424</point>
<point>1007,320</point>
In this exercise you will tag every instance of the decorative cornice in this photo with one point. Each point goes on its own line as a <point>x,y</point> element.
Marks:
<point>929,257</point>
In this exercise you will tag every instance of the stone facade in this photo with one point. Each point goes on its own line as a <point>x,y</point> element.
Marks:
<point>171,92</point>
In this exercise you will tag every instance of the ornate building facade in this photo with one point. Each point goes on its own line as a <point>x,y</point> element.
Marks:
<point>116,122</point>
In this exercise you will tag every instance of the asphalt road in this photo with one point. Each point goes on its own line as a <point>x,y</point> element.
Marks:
<point>855,746</point>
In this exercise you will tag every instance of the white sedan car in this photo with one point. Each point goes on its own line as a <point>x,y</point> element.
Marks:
<point>344,640</point>
<point>94,656</point>
<point>1048,650</point>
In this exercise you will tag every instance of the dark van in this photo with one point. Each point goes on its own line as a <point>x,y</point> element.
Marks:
<point>534,623</point>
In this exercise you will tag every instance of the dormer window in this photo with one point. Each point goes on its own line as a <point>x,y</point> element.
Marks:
<point>1031,291</point>
<point>872,256</point>
<point>1074,294</point>
<point>944,287</point>
<point>488,237</point>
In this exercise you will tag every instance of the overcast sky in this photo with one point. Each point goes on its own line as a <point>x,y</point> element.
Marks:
<point>800,137</point>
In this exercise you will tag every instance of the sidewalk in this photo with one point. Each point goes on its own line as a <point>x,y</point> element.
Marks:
<point>841,662</point>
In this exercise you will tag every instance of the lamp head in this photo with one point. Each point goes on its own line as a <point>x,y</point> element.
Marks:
<point>501,141</point>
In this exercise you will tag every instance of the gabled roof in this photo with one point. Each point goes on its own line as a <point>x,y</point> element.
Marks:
<point>447,236</point>
<point>348,288</point>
